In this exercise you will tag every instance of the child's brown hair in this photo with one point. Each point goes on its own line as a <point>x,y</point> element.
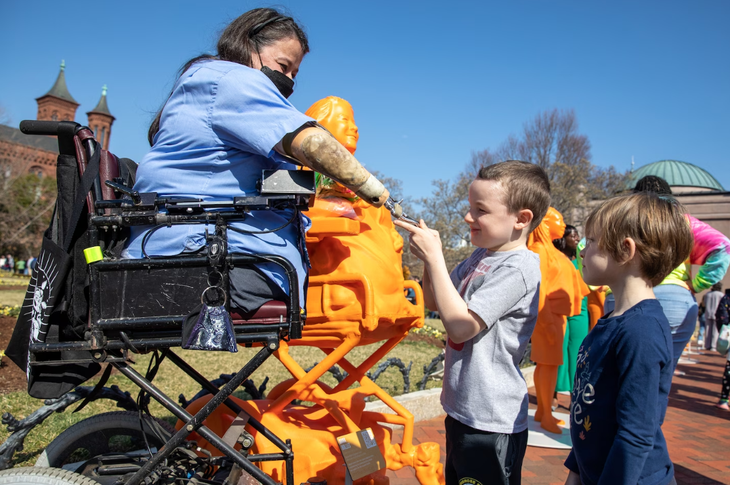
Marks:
<point>526,186</point>
<point>657,225</point>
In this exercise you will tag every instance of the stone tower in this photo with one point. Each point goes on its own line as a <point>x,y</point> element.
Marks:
<point>100,121</point>
<point>57,104</point>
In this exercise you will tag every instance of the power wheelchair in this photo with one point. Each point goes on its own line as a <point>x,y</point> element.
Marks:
<point>139,306</point>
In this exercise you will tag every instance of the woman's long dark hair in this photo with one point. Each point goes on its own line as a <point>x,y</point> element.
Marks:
<point>561,245</point>
<point>242,38</point>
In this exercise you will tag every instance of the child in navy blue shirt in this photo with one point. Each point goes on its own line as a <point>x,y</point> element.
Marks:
<point>625,364</point>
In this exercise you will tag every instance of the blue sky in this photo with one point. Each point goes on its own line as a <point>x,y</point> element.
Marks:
<point>430,82</point>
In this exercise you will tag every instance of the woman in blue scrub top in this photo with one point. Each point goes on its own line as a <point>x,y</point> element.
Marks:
<point>227,119</point>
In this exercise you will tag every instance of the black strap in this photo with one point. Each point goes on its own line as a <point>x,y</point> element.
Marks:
<point>97,389</point>
<point>87,181</point>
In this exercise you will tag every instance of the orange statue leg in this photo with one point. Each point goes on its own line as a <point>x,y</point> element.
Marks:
<point>545,378</point>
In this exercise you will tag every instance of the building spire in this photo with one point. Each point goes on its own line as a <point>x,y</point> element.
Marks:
<point>59,89</point>
<point>101,120</point>
<point>101,106</point>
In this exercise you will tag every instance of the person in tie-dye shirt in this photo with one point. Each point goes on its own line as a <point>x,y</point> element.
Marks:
<point>711,251</point>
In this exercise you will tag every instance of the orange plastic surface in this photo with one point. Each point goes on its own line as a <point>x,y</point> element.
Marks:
<point>596,299</point>
<point>355,297</point>
<point>561,292</point>
<point>337,116</point>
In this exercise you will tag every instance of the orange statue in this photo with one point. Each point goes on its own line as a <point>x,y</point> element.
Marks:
<point>561,291</point>
<point>595,305</point>
<point>355,297</point>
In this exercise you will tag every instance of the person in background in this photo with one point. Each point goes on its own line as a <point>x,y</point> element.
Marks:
<point>624,373</point>
<point>9,263</point>
<point>20,266</point>
<point>577,325</point>
<point>568,244</point>
<point>711,300</point>
<point>722,317</point>
<point>701,319</point>
<point>675,293</point>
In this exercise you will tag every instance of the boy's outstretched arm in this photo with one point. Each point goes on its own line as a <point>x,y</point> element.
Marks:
<point>460,323</point>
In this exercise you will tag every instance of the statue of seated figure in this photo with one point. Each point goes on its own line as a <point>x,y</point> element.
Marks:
<point>350,237</point>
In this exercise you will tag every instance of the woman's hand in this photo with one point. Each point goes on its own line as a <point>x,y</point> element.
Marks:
<point>425,243</point>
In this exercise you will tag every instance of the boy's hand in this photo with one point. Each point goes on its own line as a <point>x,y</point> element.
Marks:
<point>425,243</point>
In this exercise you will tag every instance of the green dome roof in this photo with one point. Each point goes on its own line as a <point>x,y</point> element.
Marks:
<point>677,173</point>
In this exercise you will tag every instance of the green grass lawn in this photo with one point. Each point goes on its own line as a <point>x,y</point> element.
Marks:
<point>11,297</point>
<point>435,323</point>
<point>174,382</point>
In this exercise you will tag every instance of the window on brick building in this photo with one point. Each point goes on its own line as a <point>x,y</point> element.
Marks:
<point>36,170</point>
<point>54,116</point>
<point>103,135</point>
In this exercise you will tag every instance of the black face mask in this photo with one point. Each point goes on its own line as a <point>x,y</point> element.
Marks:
<point>283,83</point>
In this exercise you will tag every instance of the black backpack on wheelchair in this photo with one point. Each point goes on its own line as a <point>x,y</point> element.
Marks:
<point>86,306</point>
<point>56,305</point>
<point>80,312</point>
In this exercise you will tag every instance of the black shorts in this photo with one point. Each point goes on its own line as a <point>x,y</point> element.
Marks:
<point>475,457</point>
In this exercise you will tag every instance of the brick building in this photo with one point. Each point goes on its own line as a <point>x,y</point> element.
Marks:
<point>21,154</point>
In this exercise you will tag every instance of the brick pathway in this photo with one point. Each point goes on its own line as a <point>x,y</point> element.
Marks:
<point>698,434</point>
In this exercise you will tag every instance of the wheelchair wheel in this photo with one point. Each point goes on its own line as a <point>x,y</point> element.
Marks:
<point>42,476</point>
<point>117,432</point>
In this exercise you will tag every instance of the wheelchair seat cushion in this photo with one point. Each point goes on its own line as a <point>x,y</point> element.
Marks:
<point>270,312</point>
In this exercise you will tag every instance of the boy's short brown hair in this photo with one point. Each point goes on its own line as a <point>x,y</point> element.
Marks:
<point>526,186</point>
<point>657,225</point>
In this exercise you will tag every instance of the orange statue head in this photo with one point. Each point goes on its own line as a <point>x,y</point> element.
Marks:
<point>553,220</point>
<point>336,115</point>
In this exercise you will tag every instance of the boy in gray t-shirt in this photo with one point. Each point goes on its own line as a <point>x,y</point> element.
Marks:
<point>488,306</point>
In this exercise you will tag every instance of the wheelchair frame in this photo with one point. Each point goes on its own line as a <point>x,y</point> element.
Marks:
<point>109,337</point>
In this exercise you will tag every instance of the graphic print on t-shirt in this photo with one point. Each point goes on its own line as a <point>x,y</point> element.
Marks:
<point>472,273</point>
<point>583,393</point>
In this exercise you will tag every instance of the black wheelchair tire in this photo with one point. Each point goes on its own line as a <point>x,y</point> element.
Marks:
<point>42,476</point>
<point>93,435</point>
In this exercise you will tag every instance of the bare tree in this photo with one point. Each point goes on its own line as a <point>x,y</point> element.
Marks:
<point>25,211</point>
<point>551,140</point>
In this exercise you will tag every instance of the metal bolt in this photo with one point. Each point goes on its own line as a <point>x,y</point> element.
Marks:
<point>272,346</point>
<point>189,427</point>
<point>97,355</point>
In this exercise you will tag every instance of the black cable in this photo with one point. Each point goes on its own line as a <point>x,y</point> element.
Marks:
<point>145,238</point>
<point>128,343</point>
<point>151,373</point>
